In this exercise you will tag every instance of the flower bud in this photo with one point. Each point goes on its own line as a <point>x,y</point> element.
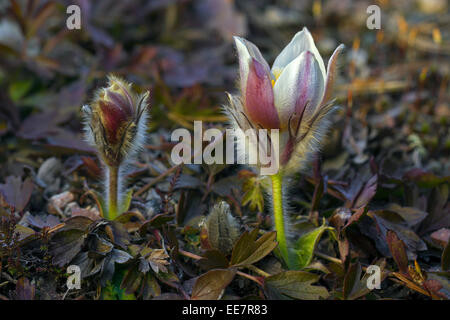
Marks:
<point>115,122</point>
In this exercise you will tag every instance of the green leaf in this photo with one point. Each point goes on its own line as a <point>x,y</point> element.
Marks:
<point>125,201</point>
<point>248,250</point>
<point>19,89</point>
<point>253,194</point>
<point>101,203</point>
<point>294,285</point>
<point>305,247</point>
<point>211,285</point>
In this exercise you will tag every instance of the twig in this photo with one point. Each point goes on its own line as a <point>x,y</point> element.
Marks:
<point>156,180</point>
<point>242,274</point>
<point>245,275</point>
<point>189,254</point>
<point>327,257</point>
<point>258,271</point>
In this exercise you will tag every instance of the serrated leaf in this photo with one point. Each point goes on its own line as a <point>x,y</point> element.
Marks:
<point>222,228</point>
<point>112,289</point>
<point>211,285</point>
<point>248,250</point>
<point>294,285</point>
<point>131,281</point>
<point>150,287</point>
<point>213,259</point>
<point>253,194</point>
<point>305,247</point>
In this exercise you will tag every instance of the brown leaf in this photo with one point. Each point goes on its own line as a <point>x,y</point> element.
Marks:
<point>17,193</point>
<point>211,285</point>
<point>24,289</point>
<point>445,260</point>
<point>398,251</point>
<point>213,259</point>
<point>65,245</point>
<point>441,236</point>
<point>294,284</point>
<point>366,193</point>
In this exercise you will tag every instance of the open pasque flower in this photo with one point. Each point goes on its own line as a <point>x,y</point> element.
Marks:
<point>292,96</point>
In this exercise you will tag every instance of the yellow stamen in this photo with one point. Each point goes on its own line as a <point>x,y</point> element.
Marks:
<point>276,74</point>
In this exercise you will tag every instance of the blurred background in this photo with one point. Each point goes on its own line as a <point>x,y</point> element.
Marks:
<point>393,84</point>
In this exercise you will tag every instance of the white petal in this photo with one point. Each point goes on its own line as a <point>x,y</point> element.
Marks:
<point>300,84</point>
<point>247,50</point>
<point>301,42</point>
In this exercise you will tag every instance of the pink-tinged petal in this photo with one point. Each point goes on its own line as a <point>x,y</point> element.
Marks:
<point>122,102</point>
<point>331,73</point>
<point>113,119</point>
<point>246,52</point>
<point>259,106</point>
<point>301,42</point>
<point>300,85</point>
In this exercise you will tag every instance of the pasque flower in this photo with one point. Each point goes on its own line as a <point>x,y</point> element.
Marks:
<point>293,97</point>
<point>115,123</point>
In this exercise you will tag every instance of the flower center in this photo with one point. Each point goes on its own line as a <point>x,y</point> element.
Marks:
<point>276,74</point>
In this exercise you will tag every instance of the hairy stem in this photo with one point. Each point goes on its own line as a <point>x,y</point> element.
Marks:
<point>277,200</point>
<point>113,190</point>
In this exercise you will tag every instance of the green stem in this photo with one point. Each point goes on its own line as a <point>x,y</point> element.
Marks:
<point>113,190</point>
<point>277,197</point>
